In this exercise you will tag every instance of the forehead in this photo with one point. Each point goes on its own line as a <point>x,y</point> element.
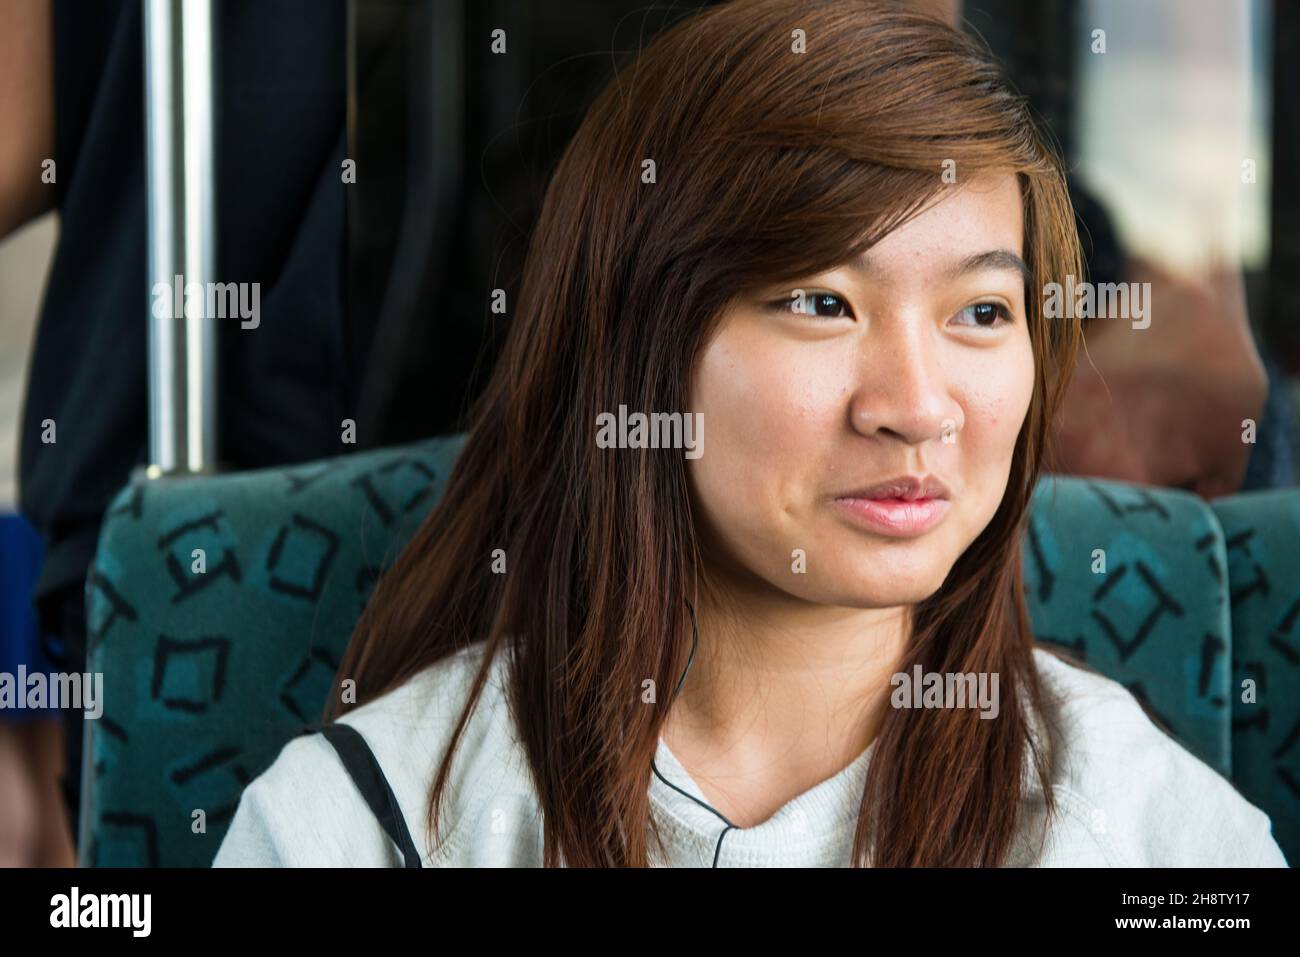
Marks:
<point>984,213</point>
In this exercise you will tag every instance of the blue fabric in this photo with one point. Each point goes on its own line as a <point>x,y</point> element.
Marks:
<point>20,564</point>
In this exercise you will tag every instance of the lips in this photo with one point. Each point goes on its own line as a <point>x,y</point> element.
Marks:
<point>901,507</point>
<point>909,488</point>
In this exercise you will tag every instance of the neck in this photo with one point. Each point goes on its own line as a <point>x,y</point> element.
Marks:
<point>782,694</point>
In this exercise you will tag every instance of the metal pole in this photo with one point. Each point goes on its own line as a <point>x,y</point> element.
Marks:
<point>178,42</point>
<point>180,183</point>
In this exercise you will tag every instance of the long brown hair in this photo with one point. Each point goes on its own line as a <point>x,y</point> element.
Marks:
<point>768,164</point>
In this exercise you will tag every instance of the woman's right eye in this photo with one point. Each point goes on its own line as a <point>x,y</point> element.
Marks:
<point>818,305</point>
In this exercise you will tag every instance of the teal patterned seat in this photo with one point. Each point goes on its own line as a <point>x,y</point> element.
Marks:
<point>1262,534</point>
<point>1132,581</point>
<point>207,674</point>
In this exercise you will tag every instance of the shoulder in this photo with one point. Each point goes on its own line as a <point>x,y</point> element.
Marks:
<point>1129,793</point>
<point>305,810</point>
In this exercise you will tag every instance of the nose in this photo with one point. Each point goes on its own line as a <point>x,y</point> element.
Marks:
<point>904,390</point>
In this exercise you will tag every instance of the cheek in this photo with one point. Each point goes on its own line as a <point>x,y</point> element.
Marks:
<point>997,398</point>
<point>768,416</point>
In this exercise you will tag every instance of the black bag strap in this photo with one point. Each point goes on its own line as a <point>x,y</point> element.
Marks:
<point>361,764</point>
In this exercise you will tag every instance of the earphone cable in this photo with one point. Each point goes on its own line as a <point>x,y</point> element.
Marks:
<point>695,639</point>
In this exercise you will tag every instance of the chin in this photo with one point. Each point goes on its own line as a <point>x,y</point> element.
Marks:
<point>860,586</point>
<point>890,594</point>
<point>885,580</point>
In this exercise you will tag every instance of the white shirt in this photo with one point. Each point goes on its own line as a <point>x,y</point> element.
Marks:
<point>1128,795</point>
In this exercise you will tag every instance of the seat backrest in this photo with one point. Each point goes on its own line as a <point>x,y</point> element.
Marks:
<point>1132,581</point>
<point>210,668</point>
<point>1262,534</point>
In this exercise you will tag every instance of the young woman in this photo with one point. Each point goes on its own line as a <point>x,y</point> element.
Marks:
<point>821,230</point>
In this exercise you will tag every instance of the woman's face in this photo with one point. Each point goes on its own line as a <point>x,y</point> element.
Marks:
<point>917,364</point>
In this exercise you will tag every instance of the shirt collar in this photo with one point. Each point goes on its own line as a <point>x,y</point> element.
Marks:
<point>813,828</point>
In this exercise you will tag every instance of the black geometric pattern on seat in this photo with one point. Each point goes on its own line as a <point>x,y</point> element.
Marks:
<point>107,608</point>
<point>179,567</point>
<point>189,675</point>
<point>300,558</point>
<point>302,693</point>
<point>392,491</point>
<point>1161,604</point>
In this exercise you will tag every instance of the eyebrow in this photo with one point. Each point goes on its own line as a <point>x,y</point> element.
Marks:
<point>1003,259</point>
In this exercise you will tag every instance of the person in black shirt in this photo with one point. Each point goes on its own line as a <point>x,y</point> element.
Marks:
<point>284,387</point>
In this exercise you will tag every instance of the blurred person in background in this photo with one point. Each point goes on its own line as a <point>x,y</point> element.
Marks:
<point>72,91</point>
<point>1173,158</point>
<point>1163,404</point>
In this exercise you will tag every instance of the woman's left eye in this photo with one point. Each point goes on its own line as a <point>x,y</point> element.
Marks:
<point>986,314</point>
